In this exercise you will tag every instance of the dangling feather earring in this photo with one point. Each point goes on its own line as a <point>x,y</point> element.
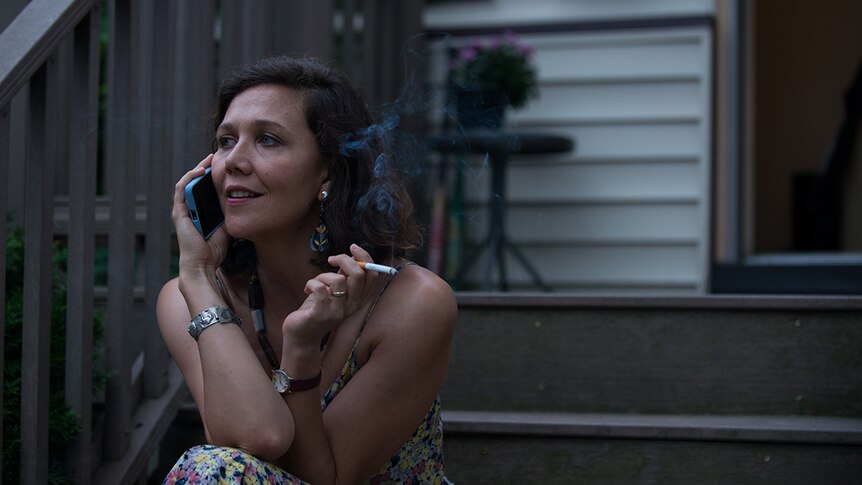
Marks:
<point>319,241</point>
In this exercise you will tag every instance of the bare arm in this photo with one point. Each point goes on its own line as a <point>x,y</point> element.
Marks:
<point>384,403</point>
<point>236,400</point>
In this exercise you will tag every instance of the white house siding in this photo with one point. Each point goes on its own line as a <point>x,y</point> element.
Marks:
<point>629,209</point>
<point>447,14</point>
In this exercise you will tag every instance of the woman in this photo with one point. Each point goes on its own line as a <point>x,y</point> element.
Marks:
<point>307,194</point>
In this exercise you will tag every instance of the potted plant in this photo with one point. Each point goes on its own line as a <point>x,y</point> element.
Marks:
<point>488,76</point>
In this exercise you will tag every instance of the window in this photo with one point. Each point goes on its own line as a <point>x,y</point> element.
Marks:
<point>789,176</point>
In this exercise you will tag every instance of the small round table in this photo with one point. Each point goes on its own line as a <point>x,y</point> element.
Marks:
<point>498,145</point>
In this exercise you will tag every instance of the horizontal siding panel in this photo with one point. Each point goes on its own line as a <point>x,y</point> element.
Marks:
<point>572,58</point>
<point>583,182</point>
<point>649,141</point>
<point>449,14</point>
<point>601,266</point>
<point>643,224</point>
<point>571,102</point>
<point>646,140</point>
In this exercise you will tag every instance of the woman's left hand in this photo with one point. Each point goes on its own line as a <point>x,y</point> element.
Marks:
<point>332,297</point>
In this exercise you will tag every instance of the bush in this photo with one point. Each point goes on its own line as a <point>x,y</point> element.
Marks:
<point>63,423</point>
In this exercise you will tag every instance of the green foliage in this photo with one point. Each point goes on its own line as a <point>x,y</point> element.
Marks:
<point>63,423</point>
<point>502,64</point>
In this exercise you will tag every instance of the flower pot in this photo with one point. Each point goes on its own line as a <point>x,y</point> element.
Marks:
<point>480,108</point>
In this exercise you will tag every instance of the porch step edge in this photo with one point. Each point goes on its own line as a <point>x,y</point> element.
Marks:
<point>734,302</point>
<point>740,428</point>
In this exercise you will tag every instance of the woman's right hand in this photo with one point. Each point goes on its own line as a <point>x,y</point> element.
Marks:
<point>196,253</point>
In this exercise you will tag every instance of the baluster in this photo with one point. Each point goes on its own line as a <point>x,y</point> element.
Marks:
<point>4,164</point>
<point>38,219</point>
<point>120,163</point>
<point>82,190</point>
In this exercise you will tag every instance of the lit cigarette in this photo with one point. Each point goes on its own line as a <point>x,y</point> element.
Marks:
<point>377,267</point>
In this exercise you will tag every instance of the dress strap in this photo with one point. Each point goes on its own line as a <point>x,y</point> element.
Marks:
<point>380,295</point>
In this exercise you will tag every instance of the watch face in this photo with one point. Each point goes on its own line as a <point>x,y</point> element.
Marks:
<point>280,381</point>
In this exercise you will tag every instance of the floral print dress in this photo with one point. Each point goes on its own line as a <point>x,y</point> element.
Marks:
<point>419,461</point>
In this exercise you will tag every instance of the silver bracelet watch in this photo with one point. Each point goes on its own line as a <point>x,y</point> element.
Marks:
<point>211,316</point>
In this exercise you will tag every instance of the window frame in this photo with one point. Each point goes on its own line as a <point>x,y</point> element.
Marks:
<point>736,267</point>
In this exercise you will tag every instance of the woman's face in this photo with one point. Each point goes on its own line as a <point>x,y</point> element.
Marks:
<point>267,168</point>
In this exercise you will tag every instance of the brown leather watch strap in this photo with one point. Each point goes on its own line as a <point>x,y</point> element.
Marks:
<point>284,383</point>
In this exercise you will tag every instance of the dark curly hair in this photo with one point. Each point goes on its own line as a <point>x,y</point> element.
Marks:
<point>367,203</point>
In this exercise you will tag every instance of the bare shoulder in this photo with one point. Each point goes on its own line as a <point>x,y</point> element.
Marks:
<point>420,289</point>
<point>419,301</point>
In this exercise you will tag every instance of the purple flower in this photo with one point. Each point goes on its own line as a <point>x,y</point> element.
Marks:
<point>502,63</point>
<point>524,50</point>
<point>467,54</point>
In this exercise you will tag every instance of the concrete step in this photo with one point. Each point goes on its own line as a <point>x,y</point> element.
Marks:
<point>549,448</point>
<point>714,355</point>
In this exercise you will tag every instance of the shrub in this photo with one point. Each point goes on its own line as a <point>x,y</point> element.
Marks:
<point>63,423</point>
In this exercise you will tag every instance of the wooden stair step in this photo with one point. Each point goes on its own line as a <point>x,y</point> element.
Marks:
<point>788,429</point>
<point>559,448</point>
<point>657,355</point>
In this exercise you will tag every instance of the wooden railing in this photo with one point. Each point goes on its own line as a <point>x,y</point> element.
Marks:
<point>83,169</point>
<point>31,45</point>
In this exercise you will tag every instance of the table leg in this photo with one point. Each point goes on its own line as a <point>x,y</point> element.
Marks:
<point>537,279</point>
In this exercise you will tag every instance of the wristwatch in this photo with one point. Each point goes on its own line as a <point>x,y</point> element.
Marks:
<point>282,382</point>
<point>211,316</point>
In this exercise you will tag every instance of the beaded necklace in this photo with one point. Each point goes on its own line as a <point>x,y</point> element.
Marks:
<point>255,304</point>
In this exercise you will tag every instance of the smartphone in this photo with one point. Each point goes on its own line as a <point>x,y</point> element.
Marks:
<point>202,200</point>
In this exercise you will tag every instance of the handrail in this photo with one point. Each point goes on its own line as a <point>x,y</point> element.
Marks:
<point>32,38</point>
